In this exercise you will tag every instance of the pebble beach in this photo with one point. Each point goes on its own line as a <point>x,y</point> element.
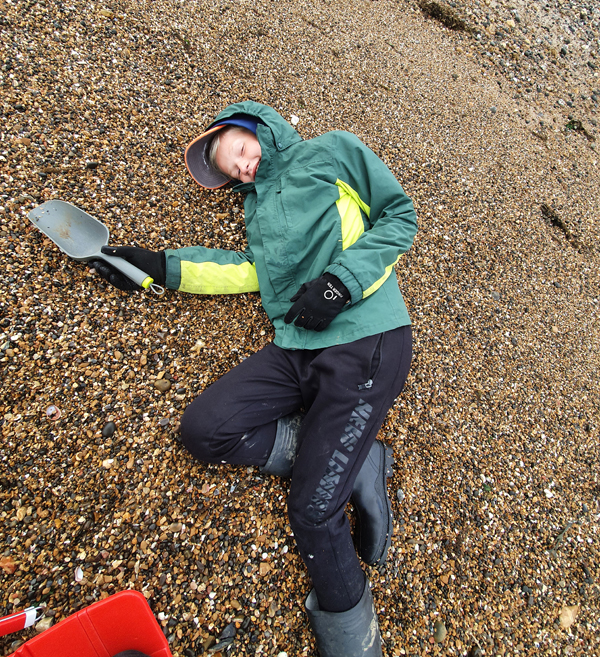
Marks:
<point>487,113</point>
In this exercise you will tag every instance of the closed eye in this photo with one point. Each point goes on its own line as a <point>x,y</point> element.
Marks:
<point>241,155</point>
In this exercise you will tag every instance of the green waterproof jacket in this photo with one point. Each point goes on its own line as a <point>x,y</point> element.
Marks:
<point>323,204</point>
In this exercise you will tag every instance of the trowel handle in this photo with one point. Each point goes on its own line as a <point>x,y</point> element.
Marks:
<point>131,271</point>
<point>21,620</point>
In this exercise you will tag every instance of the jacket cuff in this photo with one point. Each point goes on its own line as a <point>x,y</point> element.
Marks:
<point>173,269</point>
<point>349,280</point>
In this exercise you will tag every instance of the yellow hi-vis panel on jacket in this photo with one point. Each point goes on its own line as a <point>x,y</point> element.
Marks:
<point>377,284</point>
<point>212,278</point>
<point>349,206</point>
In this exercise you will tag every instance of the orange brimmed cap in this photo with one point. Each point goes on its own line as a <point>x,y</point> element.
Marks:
<point>196,160</point>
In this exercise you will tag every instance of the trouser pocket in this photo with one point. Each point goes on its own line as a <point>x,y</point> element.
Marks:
<point>374,364</point>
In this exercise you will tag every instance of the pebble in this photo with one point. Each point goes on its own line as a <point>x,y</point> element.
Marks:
<point>568,615</point>
<point>439,631</point>
<point>208,643</point>
<point>43,625</point>
<point>229,632</point>
<point>162,385</point>
<point>98,109</point>
<point>108,429</point>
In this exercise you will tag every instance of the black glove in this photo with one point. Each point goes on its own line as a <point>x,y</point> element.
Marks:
<point>318,302</point>
<point>152,263</point>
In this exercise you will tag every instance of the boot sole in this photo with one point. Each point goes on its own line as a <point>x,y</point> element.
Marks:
<point>387,473</point>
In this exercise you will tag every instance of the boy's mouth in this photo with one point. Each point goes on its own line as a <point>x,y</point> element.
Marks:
<point>255,170</point>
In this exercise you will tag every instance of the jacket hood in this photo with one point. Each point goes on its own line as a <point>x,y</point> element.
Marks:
<point>284,135</point>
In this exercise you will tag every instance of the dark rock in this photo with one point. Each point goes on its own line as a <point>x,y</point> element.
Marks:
<point>109,429</point>
<point>228,632</point>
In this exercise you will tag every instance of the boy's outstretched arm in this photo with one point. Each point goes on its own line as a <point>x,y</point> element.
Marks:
<point>201,270</point>
<point>194,269</point>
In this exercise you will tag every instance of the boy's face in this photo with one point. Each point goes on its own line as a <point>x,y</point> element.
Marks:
<point>238,155</point>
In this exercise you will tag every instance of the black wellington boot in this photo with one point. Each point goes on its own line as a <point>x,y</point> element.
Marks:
<point>374,519</point>
<point>282,456</point>
<point>352,633</point>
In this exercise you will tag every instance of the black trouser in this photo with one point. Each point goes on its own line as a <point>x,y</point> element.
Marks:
<point>346,391</point>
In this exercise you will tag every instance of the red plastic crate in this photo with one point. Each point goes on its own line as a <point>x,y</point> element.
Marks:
<point>123,621</point>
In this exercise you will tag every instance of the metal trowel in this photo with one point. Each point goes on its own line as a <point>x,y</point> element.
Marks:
<point>82,237</point>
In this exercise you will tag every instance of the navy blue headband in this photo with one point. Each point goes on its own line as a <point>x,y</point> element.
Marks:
<point>243,121</point>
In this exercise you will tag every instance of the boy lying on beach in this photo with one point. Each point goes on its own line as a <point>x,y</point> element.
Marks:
<point>326,221</point>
